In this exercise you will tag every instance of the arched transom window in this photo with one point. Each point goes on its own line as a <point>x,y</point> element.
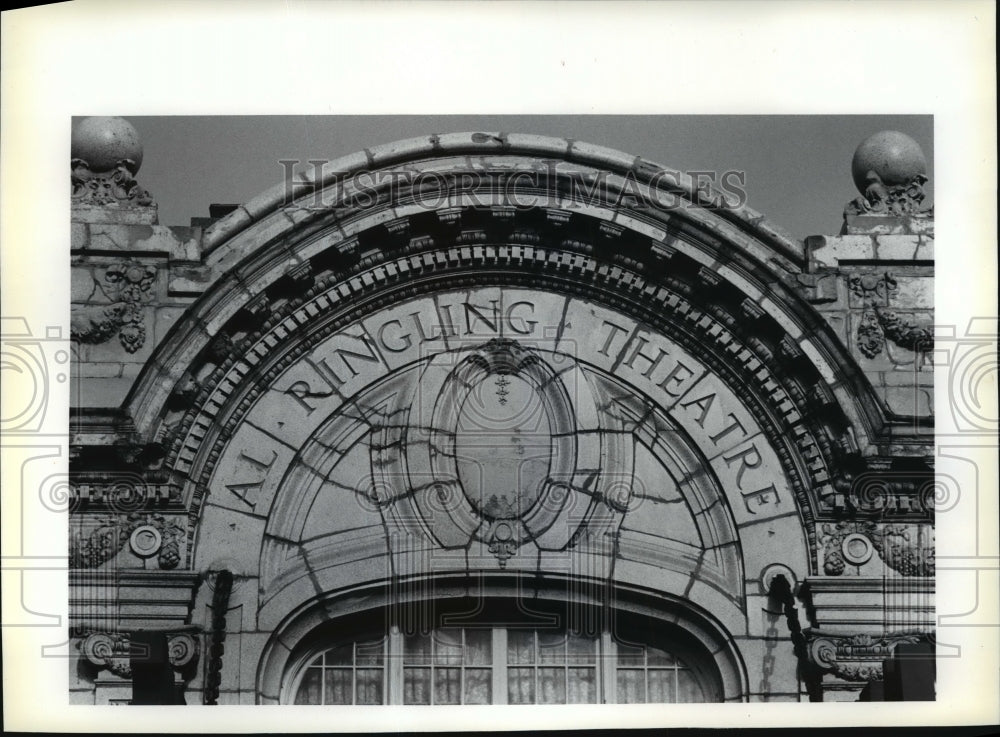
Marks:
<point>498,665</point>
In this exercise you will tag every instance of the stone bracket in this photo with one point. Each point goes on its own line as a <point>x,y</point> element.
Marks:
<point>114,650</point>
<point>855,657</point>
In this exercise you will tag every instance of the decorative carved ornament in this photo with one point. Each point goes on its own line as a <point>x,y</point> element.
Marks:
<point>223,585</point>
<point>879,323</point>
<point>468,465</point>
<point>892,496</point>
<point>741,362</point>
<point>901,547</point>
<point>854,657</point>
<point>128,284</point>
<point>117,188</point>
<point>112,650</point>
<point>879,199</point>
<point>149,534</point>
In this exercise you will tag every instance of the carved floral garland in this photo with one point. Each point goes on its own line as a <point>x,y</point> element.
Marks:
<point>878,323</point>
<point>107,540</point>
<point>892,542</point>
<point>128,284</point>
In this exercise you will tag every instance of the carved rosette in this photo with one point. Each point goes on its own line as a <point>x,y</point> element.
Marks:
<point>128,284</point>
<point>148,535</point>
<point>854,657</point>
<point>112,650</point>
<point>906,549</point>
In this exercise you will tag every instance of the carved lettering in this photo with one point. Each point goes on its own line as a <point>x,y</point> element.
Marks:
<point>302,391</point>
<point>762,497</point>
<point>734,425</point>
<point>447,322</point>
<point>654,361</point>
<point>299,391</point>
<point>704,404</point>
<point>678,375</point>
<point>748,458</point>
<point>511,318</point>
<point>615,329</point>
<point>248,493</point>
<point>404,341</point>
<point>424,337</point>
<point>369,356</point>
<point>477,311</point>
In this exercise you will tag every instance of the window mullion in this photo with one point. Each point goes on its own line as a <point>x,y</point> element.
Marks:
<point>608,659</point>
<point>461,671</point>
<point>394,666</point>
<point>499,657</point>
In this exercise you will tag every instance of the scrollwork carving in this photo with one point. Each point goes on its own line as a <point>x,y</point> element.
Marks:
<point>182,649</point>
<point>879,199</point>
<point>128,284</point>
<point>117,188</point>
<point>113,650</point>
<point>502,541</point>
<point>854,657</point>
<point>109,650</point>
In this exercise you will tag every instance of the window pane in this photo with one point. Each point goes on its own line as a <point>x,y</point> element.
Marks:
<point>478,647</point>
<point>309,689</point>
<point>629,655</point>
<point>416,685</point>
<point>581,649</point>
<point>448,647</point>
<point>448,686</point>
<point>520,685</point>
<point>417,649</point>
<point>656,656</point>
<point>478,686</point>
<point>369,653</point>
<point>520,646</point>
<point>582,686</point>
<point>551,686</point>
<point>688,688</point>
<point>369,686</point>
<point>340,655</point>
<point>631,686</point>
<point>551,647</point>
<point>661,686</point>
<point>338,686</point>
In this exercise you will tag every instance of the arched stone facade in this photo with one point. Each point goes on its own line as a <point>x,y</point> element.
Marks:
<point>500,367</point>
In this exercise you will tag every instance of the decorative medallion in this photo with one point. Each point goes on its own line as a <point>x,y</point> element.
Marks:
<point>490,452</point>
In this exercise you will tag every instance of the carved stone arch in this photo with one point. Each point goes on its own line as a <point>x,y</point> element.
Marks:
<point>284,645</point>
<point>302,280</point>
<point>291,237</point>
<point>302,544</point>
<point>694,407</point>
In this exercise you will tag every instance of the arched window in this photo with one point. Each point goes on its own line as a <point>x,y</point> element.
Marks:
<point>633,661</point>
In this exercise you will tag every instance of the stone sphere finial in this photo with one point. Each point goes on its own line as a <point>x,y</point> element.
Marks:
<point>104,142</point>
<point>893,156</point>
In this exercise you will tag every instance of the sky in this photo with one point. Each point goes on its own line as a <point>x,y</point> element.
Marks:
<point>798,167</point>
